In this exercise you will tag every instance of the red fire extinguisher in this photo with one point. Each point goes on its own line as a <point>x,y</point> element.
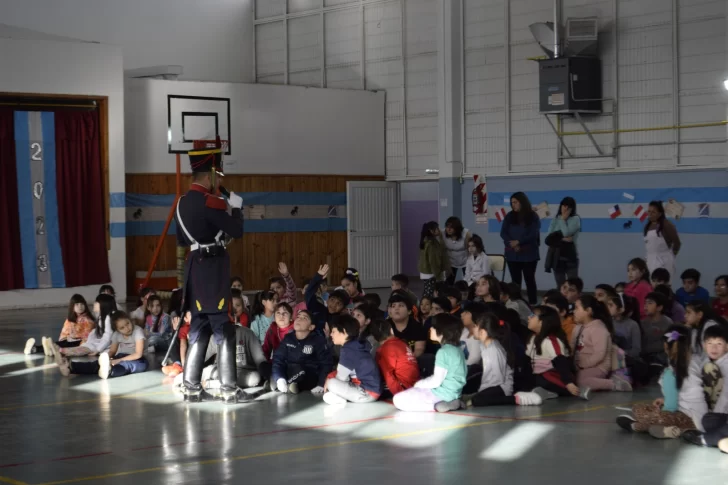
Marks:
<point>479,197</point>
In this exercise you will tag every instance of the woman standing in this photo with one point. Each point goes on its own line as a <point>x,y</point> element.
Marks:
<point>433,264</point>
<point>521,234</point>
<point>456,242</point>
<point>569,224</point>
<point>662,242</point>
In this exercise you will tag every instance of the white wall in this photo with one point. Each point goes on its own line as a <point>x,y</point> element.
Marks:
<point>212,39</point>
<point>275,129</point>
<point>71,68</point>
<point>363,44</point>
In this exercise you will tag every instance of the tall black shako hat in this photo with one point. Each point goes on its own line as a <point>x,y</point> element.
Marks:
<point>206,160</point>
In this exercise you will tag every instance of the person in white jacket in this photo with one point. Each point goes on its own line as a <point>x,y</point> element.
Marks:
<point>99,340</point>
<point>477,265</point>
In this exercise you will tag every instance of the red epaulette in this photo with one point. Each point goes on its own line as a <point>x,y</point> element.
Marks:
<point>214,202</point>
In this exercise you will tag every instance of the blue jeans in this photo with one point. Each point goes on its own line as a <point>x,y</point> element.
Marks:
<point>121,369</point>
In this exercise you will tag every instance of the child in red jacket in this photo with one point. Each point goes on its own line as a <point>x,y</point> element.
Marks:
<point>275,334</point>
<point>396,361</point>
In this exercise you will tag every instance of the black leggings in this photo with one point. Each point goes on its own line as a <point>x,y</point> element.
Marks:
<point>64,344</point>
<point>493,396</point>
<point>429,287</point>
<point>716,427</point>
<point>520,271</point>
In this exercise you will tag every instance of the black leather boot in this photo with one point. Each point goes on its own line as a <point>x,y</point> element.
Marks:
<point>226,368</point>
<point>194,364</point>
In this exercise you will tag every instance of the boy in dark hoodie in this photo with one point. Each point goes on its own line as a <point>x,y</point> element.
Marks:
<point>356,378</point>
<point>302,361</point>
<point>336,304</point>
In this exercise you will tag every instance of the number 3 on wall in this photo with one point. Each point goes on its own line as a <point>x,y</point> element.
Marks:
<point>36,149</point>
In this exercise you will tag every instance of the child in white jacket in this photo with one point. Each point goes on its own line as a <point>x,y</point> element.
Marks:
<point>477,265</point>
<point>99,340</point>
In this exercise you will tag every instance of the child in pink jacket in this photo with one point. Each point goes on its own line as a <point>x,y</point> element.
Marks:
<point>592,344</point>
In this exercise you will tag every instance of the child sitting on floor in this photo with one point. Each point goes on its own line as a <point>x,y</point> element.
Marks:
<point>302,361</point>
<point>182,327</point>
<point>276,333</point>
<point>699,317</point>
<point>394,358</point>
<point>157,325</point>
<point>654,325</point>
<point>639,283</point>
<point>691,289</point>
<point>442,390</point>
<point>720,303</point>
<point>107,290</point>
<point>627,333</point>
<point>99,339</point>
<point>239,312</point>
<point>264,306</point>
<point>356,378</point>
<point>137,316</point>
<point>673,310</point>
<point>336,303</point>
<point>487,289</point>
<point>126,355</point>
<point>592,344</point>
<point>284,286</point>
<point>558,302</point>
<point>665,418</point>
<point>512,298</point>
<point>79,323</point>
<point>236,283</point>
<point>401,282</point>
<point>425,308</point>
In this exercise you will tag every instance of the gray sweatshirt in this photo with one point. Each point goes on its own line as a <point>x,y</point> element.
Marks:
<point>629,330</point>
<point>495,368</point>
<point>249,352</point>
<point>691,399</point>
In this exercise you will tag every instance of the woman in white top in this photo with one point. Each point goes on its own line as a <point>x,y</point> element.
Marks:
<point>662,242</point>
<point>456,242</point>
<point>99,340</point>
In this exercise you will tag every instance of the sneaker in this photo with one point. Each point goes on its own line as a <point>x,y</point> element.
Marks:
<point>333,399</point>
<point>56,354</point>
<point>545,395</point>
<point>723,445</point>
<point>268,386</point>
<point>104,365</point>
<point>447,406</point>
<point>166,369</point>
<point>293,388</point>
<point>30,346</point>
<point>621,384</point>
<point>584,393</point>
<point>626,422</point>
<point>65,368</point>
<point>175,370</point>
<point>282,385</point>
<point>528,399</point>
<point>695,437</point>
<point>664,432</point>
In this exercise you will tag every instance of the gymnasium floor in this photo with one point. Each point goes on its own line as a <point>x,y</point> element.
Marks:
<point>136,430</point>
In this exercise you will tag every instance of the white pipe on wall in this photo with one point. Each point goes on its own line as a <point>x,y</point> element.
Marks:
<point>676,79</point>
<point>507,54</point>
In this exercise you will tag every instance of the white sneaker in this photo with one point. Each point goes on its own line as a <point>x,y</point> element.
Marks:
<point>293,388</point>
<point>528,399</point>
<point>104,365</point>
<point>282,385</point>
<point>47,346</point>
<point>29,346</point>
<point>333,399</point>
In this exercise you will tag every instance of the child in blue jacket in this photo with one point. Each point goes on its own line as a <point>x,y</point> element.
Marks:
<point>357,377</point>
<point>303,360</point>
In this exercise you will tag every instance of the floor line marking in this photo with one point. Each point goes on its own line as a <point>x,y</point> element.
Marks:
<point>184,443</point>
<point>314,448</point>
<point>81,401</point>
<point>534,418</point>
<point>11,481</point>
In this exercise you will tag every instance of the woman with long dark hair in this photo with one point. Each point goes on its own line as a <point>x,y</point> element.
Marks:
<point>433,263</point>
<point>662,242</point>
<point>456,241</point>
<point>569,225</point>
<point>521,234</point>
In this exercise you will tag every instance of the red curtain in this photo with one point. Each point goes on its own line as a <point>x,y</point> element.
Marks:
<point>11,264</point>
<point>81,198</point>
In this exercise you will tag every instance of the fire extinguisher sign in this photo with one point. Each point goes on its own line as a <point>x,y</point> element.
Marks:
<point>480,199</point>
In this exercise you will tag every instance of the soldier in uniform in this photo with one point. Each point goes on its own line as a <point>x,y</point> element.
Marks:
<point>203,224</point>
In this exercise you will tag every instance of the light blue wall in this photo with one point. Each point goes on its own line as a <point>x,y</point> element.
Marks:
<point>604,255</point>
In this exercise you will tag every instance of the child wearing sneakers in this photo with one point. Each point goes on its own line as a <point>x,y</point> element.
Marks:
<point>303,360</point>
<point>126,355</point>
<point>78,325</point>
<point>441,391</point>
<point>665,417</point>
<point>356,378</point>
<point>395,359</point>
<point>99,339</point>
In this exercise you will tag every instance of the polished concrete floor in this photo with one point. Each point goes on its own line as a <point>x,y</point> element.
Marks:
<point>135,429</point>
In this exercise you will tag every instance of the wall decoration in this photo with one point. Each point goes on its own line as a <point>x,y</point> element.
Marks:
<point>500,214</point>
<point>480,199</point>
<point>674,209</point>
<point>640,213</point>
<point>542,210</point>
<point>703,210</point>
<point>192,118</point>
<point>614,211</point>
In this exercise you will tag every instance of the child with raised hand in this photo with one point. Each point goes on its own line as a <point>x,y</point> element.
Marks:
<point>720,303</point>
<point>264,305</point>
<point>477,264</point>
<point>691,289</point>
<point>396,361</point>
<point>654,325</point>
<point>302,361</point>
<point>666,417</point>
<point>76,329</point>
<point>157,325</point>
<point>283,314</point>
<point>552,369</point>
<point>126,355</point>
<point>336,303</point>
<point>592,342</point>
<point>699,317</point>
<point>356,378</point>
<point>639,285</point>
<point>137,316</point>
<point>284,286</point>
<point>99,339</point>
<point>442,390</point>
<point>627,333</point>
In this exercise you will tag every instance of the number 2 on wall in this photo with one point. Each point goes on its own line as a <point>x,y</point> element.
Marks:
<point>37,150</point>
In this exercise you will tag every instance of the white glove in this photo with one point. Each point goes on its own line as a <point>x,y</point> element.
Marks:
<point>282,385</point>
<point>317,390</point>
<point>235,201</point>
